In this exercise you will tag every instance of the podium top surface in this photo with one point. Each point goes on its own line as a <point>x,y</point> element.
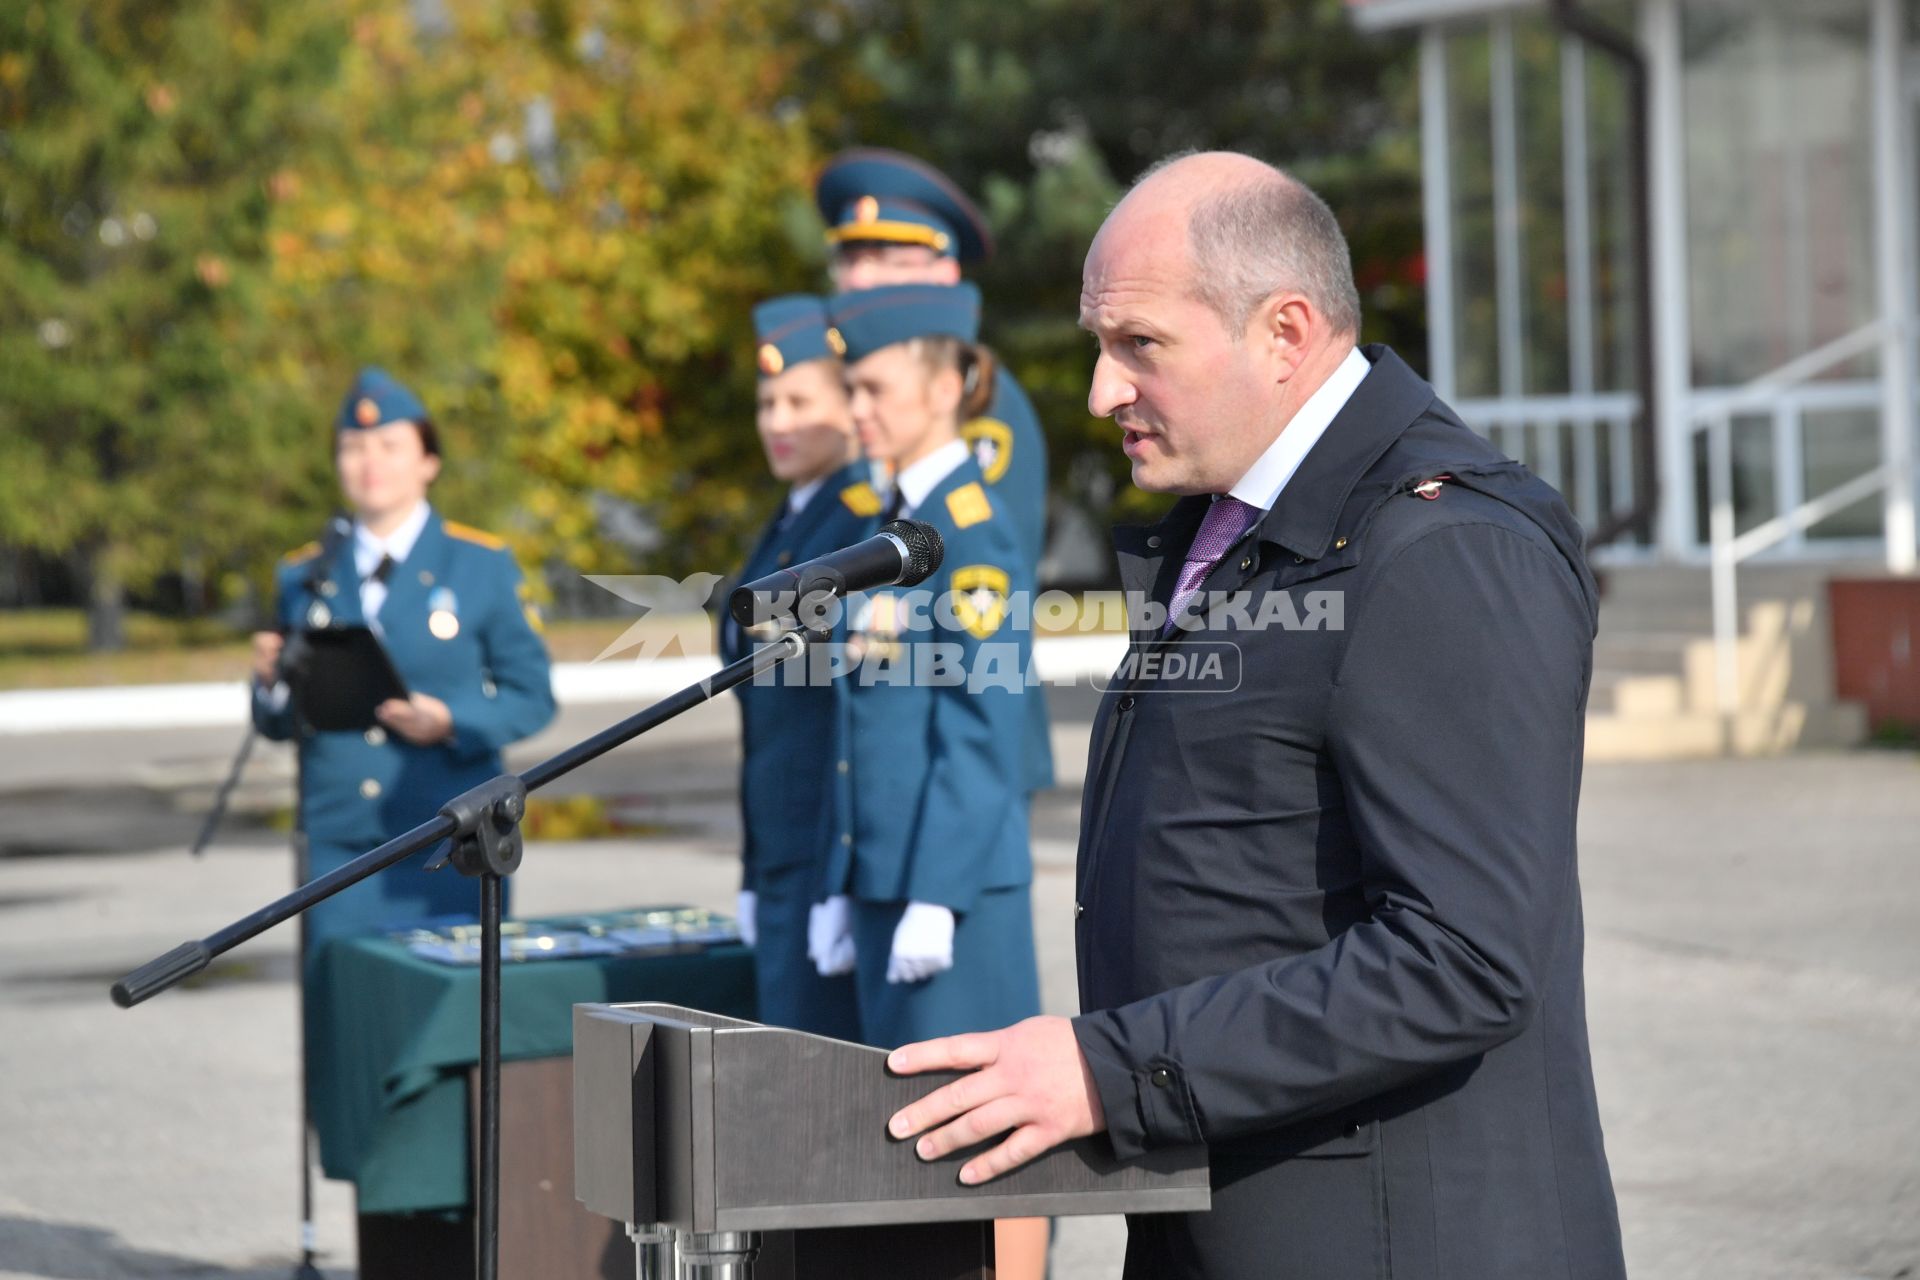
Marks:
<point>711,1123</point>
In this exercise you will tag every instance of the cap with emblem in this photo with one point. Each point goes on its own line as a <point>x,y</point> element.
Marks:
<point>876,318</point>
<point>871,195</point>
<point>792,330</point>
<point>377,399</point>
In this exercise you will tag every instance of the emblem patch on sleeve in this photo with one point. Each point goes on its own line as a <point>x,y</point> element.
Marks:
<point>968,505</point>
<point>992,443</point>
<point>979,598</point>
<point>530,609</point>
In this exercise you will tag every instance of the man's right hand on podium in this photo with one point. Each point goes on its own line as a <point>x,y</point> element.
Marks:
<point>830,936</point>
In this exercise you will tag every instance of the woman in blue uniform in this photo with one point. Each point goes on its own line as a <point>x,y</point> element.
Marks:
<point>938,870</point>
<point>894,219</point>
<point>448,604</point>
<point>791,779</point>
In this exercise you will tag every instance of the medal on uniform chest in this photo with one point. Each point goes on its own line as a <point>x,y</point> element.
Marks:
<point>444,620</point>
<point>318,615</point>
<point>879,623</point>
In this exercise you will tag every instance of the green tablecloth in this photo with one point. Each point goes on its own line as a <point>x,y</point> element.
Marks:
<point>390,1074</point>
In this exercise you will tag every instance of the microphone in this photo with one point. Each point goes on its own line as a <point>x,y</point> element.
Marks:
<point>903,554</point>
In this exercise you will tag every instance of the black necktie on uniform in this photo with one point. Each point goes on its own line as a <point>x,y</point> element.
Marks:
<point>895,503</point>
<point>383,570</point>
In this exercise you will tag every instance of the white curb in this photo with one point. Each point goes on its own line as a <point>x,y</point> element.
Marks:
<point>1059,659</point>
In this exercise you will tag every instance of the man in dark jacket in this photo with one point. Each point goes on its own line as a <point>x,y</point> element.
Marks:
<point>1329,920</point>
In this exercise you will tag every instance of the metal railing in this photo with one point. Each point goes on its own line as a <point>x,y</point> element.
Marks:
<point>1714,413</point>
<point>1535,430</point>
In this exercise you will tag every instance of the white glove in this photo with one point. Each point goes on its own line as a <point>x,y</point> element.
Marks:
<point>922,943</point>
<point>743,916</point>
<point>830,936</point>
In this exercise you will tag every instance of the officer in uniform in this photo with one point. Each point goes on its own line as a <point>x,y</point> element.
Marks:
<point>893,219</point>
<point>938,867</point>
<point>792,781</point>
<point>450,608</point>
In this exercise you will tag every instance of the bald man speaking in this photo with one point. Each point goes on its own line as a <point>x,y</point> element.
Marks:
<point>1329,919</point>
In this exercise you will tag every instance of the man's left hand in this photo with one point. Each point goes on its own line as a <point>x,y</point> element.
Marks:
<point>422,719</point>
<point>1029,1080</point>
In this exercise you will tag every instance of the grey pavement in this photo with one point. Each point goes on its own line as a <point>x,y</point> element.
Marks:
<point>1753,971</point>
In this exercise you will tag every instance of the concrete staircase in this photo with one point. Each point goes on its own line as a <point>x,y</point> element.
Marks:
<point>1654,669</point>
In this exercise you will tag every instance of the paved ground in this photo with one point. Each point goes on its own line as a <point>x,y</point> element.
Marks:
<point>1754,976</point>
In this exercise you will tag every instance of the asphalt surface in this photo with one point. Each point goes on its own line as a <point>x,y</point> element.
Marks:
<point>1753,970</point>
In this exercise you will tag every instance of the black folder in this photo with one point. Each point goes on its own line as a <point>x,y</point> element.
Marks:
<point>348,674</point>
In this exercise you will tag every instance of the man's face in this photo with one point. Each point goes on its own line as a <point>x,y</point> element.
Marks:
<point>869,266</point>
<point>384,470</point>
<point>1193,404</point>
<point>803,421</point>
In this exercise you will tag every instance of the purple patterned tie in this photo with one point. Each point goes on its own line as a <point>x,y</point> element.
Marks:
<point>1225,521</point>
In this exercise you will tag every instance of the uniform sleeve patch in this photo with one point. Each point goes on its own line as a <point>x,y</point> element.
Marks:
<point>530,609</point>
<point>992,443</point>
<point>861,499</point>
<point>968,506</point>
<point>979,597</point>
<point>480,537</point>
<point>305,551</point>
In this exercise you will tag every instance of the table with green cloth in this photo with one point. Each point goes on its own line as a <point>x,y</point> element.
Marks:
<point>390,1105</point>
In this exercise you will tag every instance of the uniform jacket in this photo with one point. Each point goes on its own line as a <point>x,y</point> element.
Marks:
<point>1329,921</point>
<point>361,789</point>
<point>793,802</point>
<point>939,774</point>
<point>1011,452</point>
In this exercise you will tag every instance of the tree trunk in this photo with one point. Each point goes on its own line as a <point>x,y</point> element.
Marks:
<point>106,602</point>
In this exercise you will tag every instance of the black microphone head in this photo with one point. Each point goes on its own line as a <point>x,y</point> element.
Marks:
<point>925,550</point>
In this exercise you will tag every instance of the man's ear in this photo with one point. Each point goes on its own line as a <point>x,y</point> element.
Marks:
<point>946,271</point>
<point>1286,326</point>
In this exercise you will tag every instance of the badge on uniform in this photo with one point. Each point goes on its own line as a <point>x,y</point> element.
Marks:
<point>992,443</point>
<point>980,599</point>
<point>318,615</point>
<point>444,620</point>
<point>529,608</point>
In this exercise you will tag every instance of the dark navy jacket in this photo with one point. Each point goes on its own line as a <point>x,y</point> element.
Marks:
<point>793,806</point>
<point>1329,920</point>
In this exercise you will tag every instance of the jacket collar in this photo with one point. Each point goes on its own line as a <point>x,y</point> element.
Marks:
<point>1386,403</point>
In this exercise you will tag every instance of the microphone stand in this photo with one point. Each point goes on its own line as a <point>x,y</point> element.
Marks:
<point>484,827</point>
<point>292,670</point>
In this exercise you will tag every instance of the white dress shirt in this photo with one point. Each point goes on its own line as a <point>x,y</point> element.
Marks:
<point>1269,474</point>
<point>920,479</point>
<point>367,551</point>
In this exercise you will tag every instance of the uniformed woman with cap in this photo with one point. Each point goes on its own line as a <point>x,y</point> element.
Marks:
<point>937,867</point>
<point>894,219</point>
<point>792,779</point>
<point>449,606</point>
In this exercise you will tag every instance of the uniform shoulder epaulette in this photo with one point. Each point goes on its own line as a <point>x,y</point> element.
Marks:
<point>861,499</point>
<point>968,505</point>
<point>479,537</point>
<point>302,553</point>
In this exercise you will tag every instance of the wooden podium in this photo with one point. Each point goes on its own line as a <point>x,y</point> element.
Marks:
<point>735,1151</point>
